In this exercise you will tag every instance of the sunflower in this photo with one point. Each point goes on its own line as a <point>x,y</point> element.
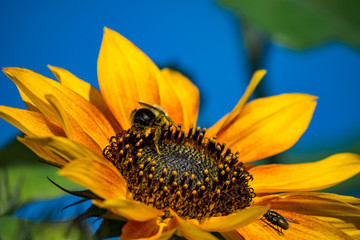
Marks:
<point>178,178</point>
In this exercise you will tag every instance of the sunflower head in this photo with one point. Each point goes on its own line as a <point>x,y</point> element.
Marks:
<point>184,171</point>
<point>166,178</point>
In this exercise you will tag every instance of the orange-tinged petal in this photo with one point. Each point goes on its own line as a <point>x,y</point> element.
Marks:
<point>101,177</point>
<point>349,226</point>
<point>190,231</point>
<point>255,80</point>
<point>64,148</point>
<point>232,235</point>
<point>87,91</point>
<point>44,153</point>
<point>31,123</point>
<point>72,129</point>
<point>126,76</point>
<point>232,221</point>
<point>149,230</point>
<point>307,228</point>
<point>267,126</point>
<point>152,229</point>
<point>169,100</point>
<point>305,176</point>
<point>129,209</point>
<point>254,231</point>
<point>180,98</point>
<point>36,87</point>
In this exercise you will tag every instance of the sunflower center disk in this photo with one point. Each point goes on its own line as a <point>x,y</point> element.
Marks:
<point>192,175</point>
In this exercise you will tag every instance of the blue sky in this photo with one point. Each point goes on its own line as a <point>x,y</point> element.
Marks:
<point>201,39</point>
<point>198,37</point>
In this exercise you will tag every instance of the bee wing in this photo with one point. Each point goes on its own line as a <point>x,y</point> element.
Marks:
<point>146,105</point>
<point>290,220</point>
<point>154,107</point>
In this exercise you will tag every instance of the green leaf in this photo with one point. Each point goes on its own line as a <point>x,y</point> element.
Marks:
<point>301,24</point>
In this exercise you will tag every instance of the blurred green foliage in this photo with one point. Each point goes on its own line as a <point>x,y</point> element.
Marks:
<point>9,196</point>
<point>23,170</point>
<point>23,177</point>
<point>301,24</point>
<point>20,229</point>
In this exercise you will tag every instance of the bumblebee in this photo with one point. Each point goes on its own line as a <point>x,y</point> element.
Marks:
<point>276,219</point>
<point>150,117</point>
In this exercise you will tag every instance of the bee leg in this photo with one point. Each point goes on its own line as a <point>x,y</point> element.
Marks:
<point>276,228</point>
<point>157,147</point>
<point>156,140</point>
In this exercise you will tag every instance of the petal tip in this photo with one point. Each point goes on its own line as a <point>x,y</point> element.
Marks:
<point>21,139</point>
<point>107,30</point>
<point>261,71</point>
<point>12,71</point>
<point>313,98</point>
<point>6,70</point>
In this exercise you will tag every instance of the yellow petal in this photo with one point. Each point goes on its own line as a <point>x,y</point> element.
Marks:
<point>307,228</point>
<point>126,76</point>
<point>63,147</point>
<point>29,104</point>
<point>36,87</point>
<point>305,176</point>
<point>232,221</point>
<point>129,209</point>
<point>87,91</point>
<point>97,175</point>
<point>31,123</point>
<point>268,126</point>
<point>343,212</point>
<point>179,97</point>
<point>72,129</point>
<point>44,153</point>
<point>190,231</point>
<point>314,203</point>
<point>148,230</point>
<point>255,80</point>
